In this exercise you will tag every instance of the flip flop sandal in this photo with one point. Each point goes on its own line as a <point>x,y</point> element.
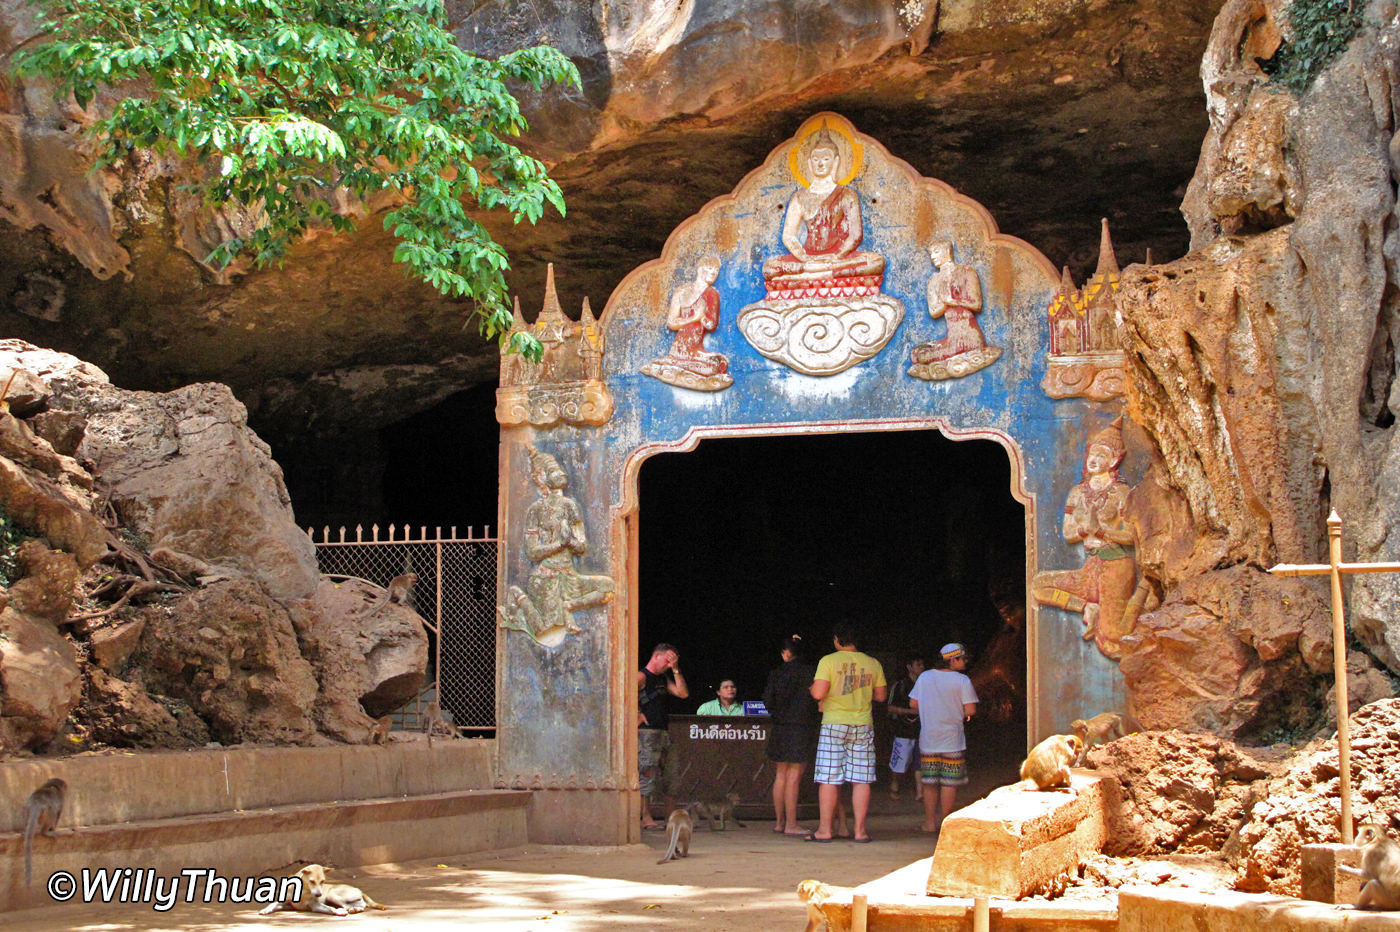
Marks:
<point>816,840</point>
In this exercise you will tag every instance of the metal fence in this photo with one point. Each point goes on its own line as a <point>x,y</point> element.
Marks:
<point>456,597</point>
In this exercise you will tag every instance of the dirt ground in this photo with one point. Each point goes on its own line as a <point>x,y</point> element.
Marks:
<point>743,880</point>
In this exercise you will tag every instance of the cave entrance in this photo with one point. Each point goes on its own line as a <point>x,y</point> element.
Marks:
<point>917,538</point>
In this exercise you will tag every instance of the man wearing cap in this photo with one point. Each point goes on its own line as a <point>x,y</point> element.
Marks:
<point>846,684</point>
<point>944,699</point>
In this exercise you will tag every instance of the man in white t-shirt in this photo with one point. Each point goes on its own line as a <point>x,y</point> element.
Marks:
<point>944,699</point>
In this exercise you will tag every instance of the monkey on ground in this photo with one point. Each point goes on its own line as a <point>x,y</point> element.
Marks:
<point>1380,868</point>
<point>815,893</point>
<point>716,811</point>
<point>317,896</point>
<point>1047,765</point>
<point>435,724</point>
<point>1101,729</point>
<point>679,825</point>
<point>379,731</point>
<point>41,812</point>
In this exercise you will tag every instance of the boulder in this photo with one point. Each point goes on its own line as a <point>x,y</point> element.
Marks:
<point>40,681</point>
<point>368,662</point>
<point>230,651</point>
<point>1225,652</point>
<point>123,715</point>
<point>49,583</point>
<point>112,645</point>
<point>184,471</point>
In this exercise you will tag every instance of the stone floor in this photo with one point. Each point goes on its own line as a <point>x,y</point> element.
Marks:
<point>743,880</point>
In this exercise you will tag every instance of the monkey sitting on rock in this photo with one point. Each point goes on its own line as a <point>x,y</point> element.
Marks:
<point>1380,869</point>
<point>1101,729</point>
<point>1047,765</point>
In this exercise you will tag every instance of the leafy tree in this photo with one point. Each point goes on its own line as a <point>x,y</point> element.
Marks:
<point>286,101</point>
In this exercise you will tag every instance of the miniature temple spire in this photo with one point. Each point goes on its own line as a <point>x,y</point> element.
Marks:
<point>586,317</point>
<point>1066,283</point>
<point>1108,262</point>
<point>551,326</point>
<point>517,321</point>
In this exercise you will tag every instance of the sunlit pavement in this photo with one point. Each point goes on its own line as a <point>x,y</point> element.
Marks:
<point>743,880</point>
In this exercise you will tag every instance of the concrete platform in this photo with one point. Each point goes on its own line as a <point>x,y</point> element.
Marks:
<point>1156,910</point>
<point>247,811</point>
<point>1015,841</point>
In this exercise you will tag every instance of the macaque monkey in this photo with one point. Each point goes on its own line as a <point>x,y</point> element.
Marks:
<point>317,896</point>
<point>678,826</point>
<point>1380,868</point>
<point>814,893</point>
<point>1047,765</point>
<point>398,591</point>
<point>717,811</point>
<point>435,724</point>
<point>379,731</point>
<point>41,812</point>
<point>1101,729</point>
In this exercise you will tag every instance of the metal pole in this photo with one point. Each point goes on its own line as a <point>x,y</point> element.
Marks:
<point>1339,665</point>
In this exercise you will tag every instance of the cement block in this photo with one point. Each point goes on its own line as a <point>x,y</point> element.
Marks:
<point>1322,881</point>
<point>1015,841</point>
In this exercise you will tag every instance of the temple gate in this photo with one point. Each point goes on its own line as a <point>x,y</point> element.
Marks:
<point>834,290</point>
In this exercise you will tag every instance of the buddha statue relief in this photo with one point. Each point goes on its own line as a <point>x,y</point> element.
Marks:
<point>823,310</point>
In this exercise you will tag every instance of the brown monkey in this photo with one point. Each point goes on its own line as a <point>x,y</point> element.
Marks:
<point>815,893</point>
<point>679,826</point>
<point>1380,867</point>
<point>379,731</point>
<point>716,811</point>
<point>398,591</point>
<point>41,812</point>
<point>435,724</point>
<point>1101,729</point>
<point>1047,765</point>
<point>317,896</point>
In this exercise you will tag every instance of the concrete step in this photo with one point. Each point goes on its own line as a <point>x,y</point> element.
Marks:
<point>242,843</point>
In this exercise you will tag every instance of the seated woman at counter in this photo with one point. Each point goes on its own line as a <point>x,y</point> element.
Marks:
<point>725,703</point>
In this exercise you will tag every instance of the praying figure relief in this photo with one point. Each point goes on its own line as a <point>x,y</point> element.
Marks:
<point>694,312</point>
<point>822,310</point>
<point>955,295</point>
<point>554,537</point>
<point>1106,588</point>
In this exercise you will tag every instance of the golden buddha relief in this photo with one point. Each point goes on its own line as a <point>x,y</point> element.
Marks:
<point>823,310</point>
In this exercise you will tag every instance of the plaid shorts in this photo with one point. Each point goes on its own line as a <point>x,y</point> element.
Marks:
<point>846,754</point>
<point>945,768</point>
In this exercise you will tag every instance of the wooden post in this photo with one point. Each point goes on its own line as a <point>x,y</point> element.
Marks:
<point>1335,568</point>
<point>1339,664</point>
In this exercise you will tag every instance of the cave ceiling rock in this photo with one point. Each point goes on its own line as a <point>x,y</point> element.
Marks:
<point>1014,103</point>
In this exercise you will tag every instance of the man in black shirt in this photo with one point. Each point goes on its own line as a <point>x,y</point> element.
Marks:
<point>653,741</point>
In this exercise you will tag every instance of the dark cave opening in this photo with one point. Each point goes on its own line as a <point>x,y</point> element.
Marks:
<point>914,537</point>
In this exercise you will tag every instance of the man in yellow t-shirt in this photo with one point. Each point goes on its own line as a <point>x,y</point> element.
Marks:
<point>846,684</point>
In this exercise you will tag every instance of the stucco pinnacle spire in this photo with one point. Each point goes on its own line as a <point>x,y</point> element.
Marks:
<point>551,297</point>
<point>1108,262</point>
<point>586,316</point>
<point>1066,283</point>
<point>517,321</point>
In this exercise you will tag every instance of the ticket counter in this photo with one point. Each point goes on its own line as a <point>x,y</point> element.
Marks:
<point>716,755</point>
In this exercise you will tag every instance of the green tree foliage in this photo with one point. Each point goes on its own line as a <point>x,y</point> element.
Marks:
<point>1319,31</point>
<point>286,101</point>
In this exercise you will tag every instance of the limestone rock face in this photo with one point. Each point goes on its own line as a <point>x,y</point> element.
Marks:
<point>1263,363</point>
<point>185,471</point>
<point>679,101</point>
<point>1175,791</point>
<point>231,652</point>
<point>1302,806</point>
<point>1225,654</point>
